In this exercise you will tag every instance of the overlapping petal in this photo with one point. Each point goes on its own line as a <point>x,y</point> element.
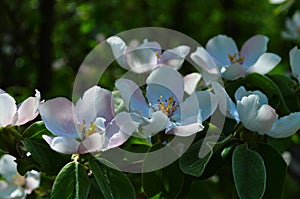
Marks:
<point>220,47</point>
<point>295,62</point>
<point>254,115</point>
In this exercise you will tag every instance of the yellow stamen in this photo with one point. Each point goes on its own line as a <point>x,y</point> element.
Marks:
<point>168,107</point>
<point>236,59</point>
<point>18,179</point>
<point>89,130</point>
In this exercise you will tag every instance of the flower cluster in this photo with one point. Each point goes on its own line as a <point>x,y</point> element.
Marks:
<point>168,104</point>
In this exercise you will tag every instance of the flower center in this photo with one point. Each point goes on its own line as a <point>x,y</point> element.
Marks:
<point>236,59</point>
<point>167,106</point>
<point>18,179</point>
<point>90,129</point>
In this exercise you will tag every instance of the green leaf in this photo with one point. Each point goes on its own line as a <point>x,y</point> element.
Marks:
<point>163,182</point>
<point>276,171</point>
<point>50,161</point>
<point>26,164</point>
<point>191,164</point>
<point>113,183</point>
<point>36,130</point>
<point>287,87</point>
<point>249,173</point>
<point>71,182</point>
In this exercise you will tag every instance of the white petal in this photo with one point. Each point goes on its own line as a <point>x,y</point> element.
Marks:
<point>92,143</point>
<point>190,82</point>
<point>141,60</point>
<point>8,109</point>
<point>186,130</point>
<point>295,62</point>
<point>242,92</point>
<point>59,117</point>
<point>32,181</point>
<point>132,96</point>
<point>118,47</point>
<point>169,78</point>
<point>120,129</point>
<point>226,105</point>
<point>285,126</point>
<point>234,72</point>
<point>254,116</point>
<point>157,123</point>
<point>62,144</point>
<point>204,60</point>
<point>175,57</point>
<point>96,102</point>
<point>28,110</point>
<point>220,47</point>
<point>8,167</point>
<point>265,63</point>
<point>253,48</point>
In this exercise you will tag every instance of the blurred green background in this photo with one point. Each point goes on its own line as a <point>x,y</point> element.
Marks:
<point>43,42</point>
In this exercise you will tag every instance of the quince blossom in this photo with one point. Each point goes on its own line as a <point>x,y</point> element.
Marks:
<point>292,25</point>
<point>11,114</point>
<point>14,185</point>
<point>221,56</point>
<point>89,126</point>
<point>147,56</point>
<point>165,108</point>
<point>256,115</point>
<point>295,62</point>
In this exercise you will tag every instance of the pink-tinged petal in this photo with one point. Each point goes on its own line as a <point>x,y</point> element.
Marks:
<point>234,72</point>
<point>168,78</point>
<point>295,62</point>
<point>59,117</point>
<point>226,105</point>
<point>118,47</point>
<point>204,60</point>
<point>133,97</point>
<point>63,145</point>
<point>92,143</point>
<point>220,47</point>
<point>8,109</point>
<point>254,116</point>
<point>285,126</point>
<point>253,48</point>
<point>265,63</point>
<point>96,102</point>
<point>141,60</point>
<point>175,57</point>
<point>8,167</point>
<point>120,129</point>
<point>190,82</point>
<point>28,110</point>
<point>32,181</point>
<point>158,122</point>
<point>186,130</point>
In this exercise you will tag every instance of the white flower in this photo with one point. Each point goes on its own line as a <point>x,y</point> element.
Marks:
<point>14,185</point>
<point>11,114</point>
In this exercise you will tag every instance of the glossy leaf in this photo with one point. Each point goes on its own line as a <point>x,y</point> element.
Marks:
<point>249,173</point>
<point>276,171</point>
<point>71,182</point>
<point>113,183</point>
<point>36,130</point>
<point>163,182</point>
<point>50,161</point>
<point>191,164</point>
